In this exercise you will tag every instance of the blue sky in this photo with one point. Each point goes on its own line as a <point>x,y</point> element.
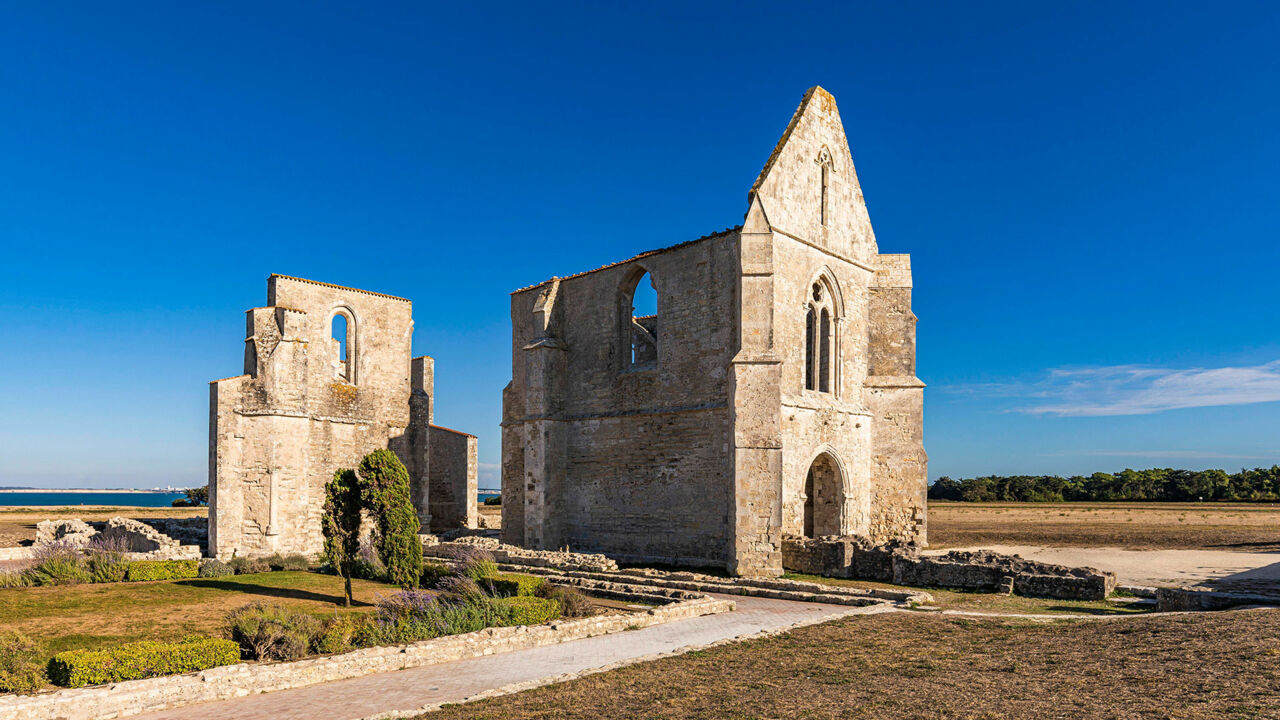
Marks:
<point>1088,191</point>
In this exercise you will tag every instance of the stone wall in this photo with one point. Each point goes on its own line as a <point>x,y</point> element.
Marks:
<point>981,571</point>
<point>301,411</point>
<point>453,479</point>
<point>231,681</point>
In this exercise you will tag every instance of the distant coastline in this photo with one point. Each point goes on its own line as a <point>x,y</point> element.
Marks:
<point>81,490</point>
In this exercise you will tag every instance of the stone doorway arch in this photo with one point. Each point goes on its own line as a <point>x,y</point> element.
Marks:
<point>823,497</point>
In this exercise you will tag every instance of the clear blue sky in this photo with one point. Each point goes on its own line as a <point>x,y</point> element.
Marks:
<point>1088,191</point>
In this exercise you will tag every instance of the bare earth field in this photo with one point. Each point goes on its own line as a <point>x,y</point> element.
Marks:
<point>911,666</point>
<point>18,524</point>
<point>1132,526</point>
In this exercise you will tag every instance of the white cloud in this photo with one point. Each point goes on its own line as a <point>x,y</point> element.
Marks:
<point>1140,390</point>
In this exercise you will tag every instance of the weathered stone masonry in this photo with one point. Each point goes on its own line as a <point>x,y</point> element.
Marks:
<point>774,393</point>
<point>302,410</point>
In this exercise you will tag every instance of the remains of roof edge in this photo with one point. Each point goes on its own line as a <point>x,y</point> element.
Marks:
<point>455,432</point>
<point>339,287</point>
<point>647,253</point>
<point>786,134</point>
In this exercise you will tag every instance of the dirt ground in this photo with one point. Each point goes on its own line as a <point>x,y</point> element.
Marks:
<point>1132,526</point>
<point>18,525</point>
<point>911,666</point>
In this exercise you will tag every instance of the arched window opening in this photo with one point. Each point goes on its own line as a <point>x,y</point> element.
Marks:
<point>645,326</point>
<point>342,334</point>
<point>808,349</point>
<point>824,353</point>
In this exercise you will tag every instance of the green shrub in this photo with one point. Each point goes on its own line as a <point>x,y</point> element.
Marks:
<point>248,566</point>
<point>58,563</point>
<point>384,487</point>
<point>478,565</point>
<point>145,570</point>
<point>526,610</point>
<point>340,633</point>
<point>20,668</point>
<point>210,567</point>
<point>15,579</point>
<point>293,562</point>
<point>134,661</point>
<point>432,572</point>
<point>266,631</point>
<point>572,602</point>
<point>106,568</point>
<point>514,584</point>
<point>460,588</point>
<point>495,500</point>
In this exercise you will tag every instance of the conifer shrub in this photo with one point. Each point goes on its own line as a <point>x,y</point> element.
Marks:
<point>340,522</point>
<point>147,570</point>
<point>384,488</point>
<point>20,668</point>
<point>138,660</point>
<point>267,631</point>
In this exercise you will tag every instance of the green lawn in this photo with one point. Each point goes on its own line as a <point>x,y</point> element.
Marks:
<point>68,617</point>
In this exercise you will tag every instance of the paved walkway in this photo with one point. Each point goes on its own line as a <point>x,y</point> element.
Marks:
<point>409,690</point>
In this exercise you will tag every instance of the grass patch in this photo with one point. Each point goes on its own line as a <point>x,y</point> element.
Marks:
<point>900,666</point>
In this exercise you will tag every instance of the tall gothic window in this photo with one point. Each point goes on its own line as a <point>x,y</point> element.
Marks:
<point>820,340</point>
<point>824,202</point>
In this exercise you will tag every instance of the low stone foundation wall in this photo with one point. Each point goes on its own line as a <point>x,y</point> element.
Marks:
<point>559,560</point>
<point>855,558</point>
<point>1191,599</point>
<point>223,683</point>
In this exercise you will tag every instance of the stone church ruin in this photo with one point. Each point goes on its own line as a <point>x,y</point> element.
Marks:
<point>771,394</point>
<point>328,377</point>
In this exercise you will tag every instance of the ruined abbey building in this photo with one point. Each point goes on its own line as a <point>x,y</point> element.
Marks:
<point>772,393</point>
<point>328,377</point>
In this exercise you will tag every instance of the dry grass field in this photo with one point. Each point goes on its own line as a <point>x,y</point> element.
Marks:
<point>1135,526</point>
<point>18,524</point>
<point>926,667</point>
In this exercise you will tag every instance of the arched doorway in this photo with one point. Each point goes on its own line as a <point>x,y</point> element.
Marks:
<point>824,491</point>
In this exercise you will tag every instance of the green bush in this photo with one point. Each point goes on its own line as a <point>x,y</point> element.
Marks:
<point>478,565</point>
<point>432,573</point>
<point>20,668</point>
<point>58,563</point>
<point>248,566</point>
<point>341,633</point>
<point>384,487</point>
<point>525,610</point>
<point>210,567</point>
<point>266,631</point>
<point>495,500</point>
<point>572,602</point>
<point>145,570</point>
<point>513,584</point>
<point>106,568</point>
<point>15,579</point>
<point>288,562</point>
<point>135,661</point>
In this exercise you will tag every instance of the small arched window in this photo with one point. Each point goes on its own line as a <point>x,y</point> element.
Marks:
<point>343,338</point>
<point>820,339</point>
<point>643,322</point>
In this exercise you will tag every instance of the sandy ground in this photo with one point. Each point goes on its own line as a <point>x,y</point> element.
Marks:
<point>1224,568</point>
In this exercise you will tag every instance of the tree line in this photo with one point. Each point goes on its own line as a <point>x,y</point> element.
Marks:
<point>1155,484</point>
